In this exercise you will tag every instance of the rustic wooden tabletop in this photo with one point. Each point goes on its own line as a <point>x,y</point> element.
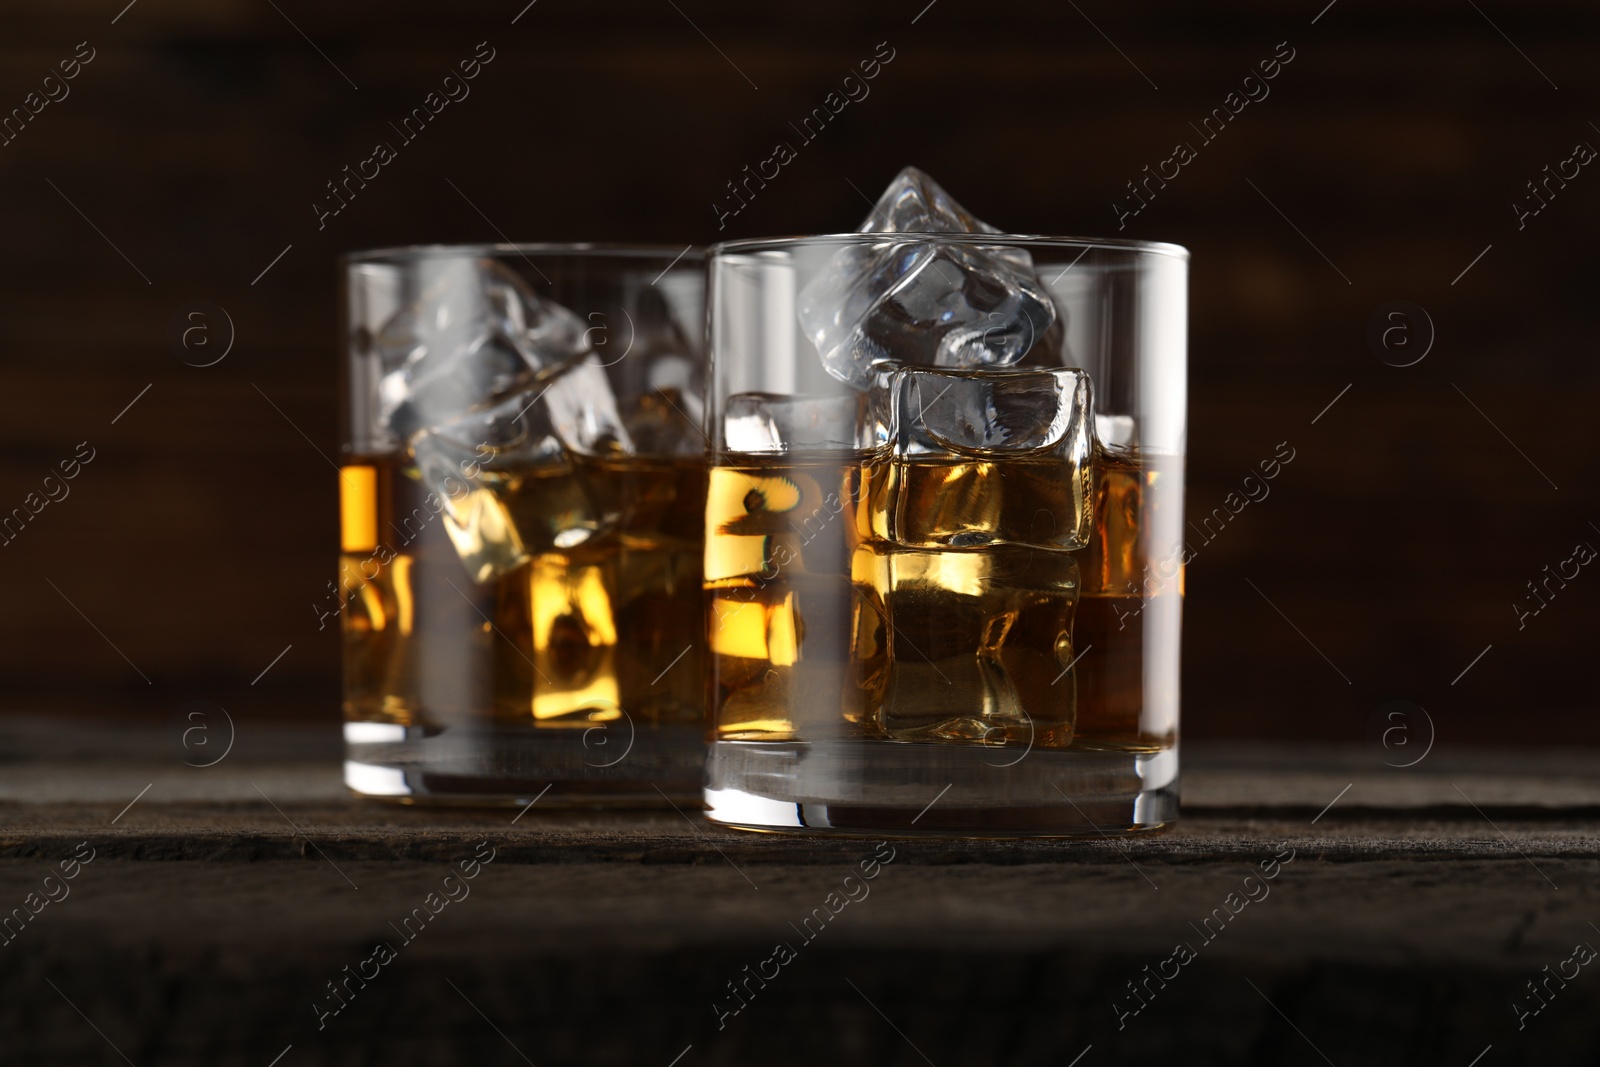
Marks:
<point>1314,905</point>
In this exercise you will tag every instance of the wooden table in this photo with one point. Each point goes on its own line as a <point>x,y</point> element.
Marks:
<point>220,904</point>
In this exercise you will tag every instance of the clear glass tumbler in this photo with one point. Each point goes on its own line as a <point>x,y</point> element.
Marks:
<point>944,562</point>
<point>522,493</point>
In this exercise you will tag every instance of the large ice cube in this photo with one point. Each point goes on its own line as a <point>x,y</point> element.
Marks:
<point>996,457</point>
<point>970,646</point>
<point>774,422</point>
<point>504,474</point>
<point>582,409</point>
<point>476,332</point>
<point>665,419</point>
<point>923,303</point>
<point>915,203</point>
<point>842,421</point>
<point>1010,411</point>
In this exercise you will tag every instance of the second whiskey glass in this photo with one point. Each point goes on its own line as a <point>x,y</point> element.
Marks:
<point>522,487</point>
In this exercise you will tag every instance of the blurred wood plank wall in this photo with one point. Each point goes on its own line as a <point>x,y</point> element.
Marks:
<point>1396,140</point>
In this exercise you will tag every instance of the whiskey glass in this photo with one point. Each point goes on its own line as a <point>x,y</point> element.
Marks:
<point>521,504</point>
<point>944,556</point>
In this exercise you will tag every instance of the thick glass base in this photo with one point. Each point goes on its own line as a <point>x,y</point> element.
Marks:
<point>889,787</point>
<point>500,766</point>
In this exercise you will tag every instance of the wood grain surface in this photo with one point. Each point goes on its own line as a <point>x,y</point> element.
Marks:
<point>1406,913</point>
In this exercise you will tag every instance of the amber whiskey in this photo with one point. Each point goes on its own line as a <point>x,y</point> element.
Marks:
<point>940,600</point>
<point>537,600</point>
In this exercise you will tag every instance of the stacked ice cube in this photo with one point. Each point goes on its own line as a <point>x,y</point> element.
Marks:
<point>492,385</point>
<point>923,303</point>
<point>949,349</point>
<point>982,442</point>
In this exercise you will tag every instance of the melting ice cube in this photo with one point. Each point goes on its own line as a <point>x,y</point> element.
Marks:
<point>996,457</point>
<point>475,332</point>
<point>504,473</point>
<point>775,422</point>
<point>923,303</point>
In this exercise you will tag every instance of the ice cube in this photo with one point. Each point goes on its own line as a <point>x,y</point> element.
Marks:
<point>475,333</point>
<point>582,408</point>
<point>915,203</point>
<point>774,422</point>
<point>996,457</point>
<point>666,418</point>
<point>1118,431</point>
<point>1010,411</point>
<point>457,462</point>
<point>647,353</point>
<point>923,303</point>
<point>971,646</point>
<point>504,474</point>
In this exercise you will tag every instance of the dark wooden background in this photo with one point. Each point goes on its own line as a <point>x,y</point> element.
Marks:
<point>1396,542</point>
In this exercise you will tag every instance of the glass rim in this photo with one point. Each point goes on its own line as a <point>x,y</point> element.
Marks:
<point>1019,240</point>
<point>595,249</point>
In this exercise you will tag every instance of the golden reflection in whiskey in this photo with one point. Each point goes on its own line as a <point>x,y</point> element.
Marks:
<point>448,615</point>
<point>858,595</point>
